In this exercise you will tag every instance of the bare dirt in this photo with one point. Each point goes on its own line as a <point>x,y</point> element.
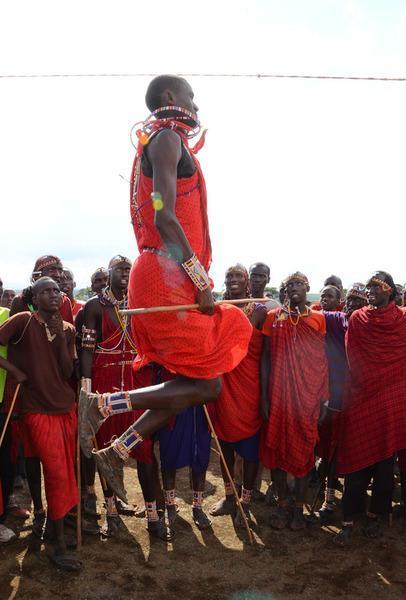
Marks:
<point>218,564</point>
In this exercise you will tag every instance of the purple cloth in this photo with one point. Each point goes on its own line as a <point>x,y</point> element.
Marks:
<point>187,443</point>
<point>336,328</point>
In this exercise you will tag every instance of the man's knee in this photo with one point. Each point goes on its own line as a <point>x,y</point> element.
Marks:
<point>209,389</point>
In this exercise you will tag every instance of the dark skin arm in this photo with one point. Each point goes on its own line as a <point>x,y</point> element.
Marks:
<point>265,372</point>
<point>65,360</point>
<point>165,153</point>
<point>91,319</point>
<point>258,317</point>
<point>18,375</point>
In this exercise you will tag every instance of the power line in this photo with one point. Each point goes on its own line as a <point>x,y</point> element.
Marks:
<point>228,75</point>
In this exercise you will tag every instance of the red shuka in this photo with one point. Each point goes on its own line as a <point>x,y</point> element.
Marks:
<point>298,383</point>
<point>52,439</point>
<point>236,413</point>
<point>112,371</point>
<point>374,415</point>
<point>189,343</point>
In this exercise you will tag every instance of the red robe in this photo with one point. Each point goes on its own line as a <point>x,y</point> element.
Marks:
<point>298,383</point>
<point>374,418</point>
<point>112,371</point>
<point>236,413</point>
<point>189,343</point>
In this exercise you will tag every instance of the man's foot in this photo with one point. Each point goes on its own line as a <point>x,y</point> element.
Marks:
<point>372,528</point>
<point>111,466</point>
<point>49,536</point>
<point>90,506</point>
<point>6,535</point>
<point>298,522</point>
<point>159,530</point>
<point>270,497</point>
<point>90,421</point>
<point>200,519</point>
<point>238,519</point>
<point>279,518</point>
<point>326,516</point>
<point>38,524</point>
<point>344,537</point>
<point>128,510</point>
<point>114,525</point>
<point>66,561</point>
<point>225,506</point>
<point>171,513</point>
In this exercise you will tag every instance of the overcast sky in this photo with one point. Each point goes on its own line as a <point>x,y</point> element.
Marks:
<point>303,174</point>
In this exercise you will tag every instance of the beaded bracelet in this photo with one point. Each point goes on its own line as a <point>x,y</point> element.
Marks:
<point>197,273</point>
<point>88,337</point>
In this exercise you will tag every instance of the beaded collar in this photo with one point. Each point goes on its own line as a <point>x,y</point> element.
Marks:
<point>106,297</point>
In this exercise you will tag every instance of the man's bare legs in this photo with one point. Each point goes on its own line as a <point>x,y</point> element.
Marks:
<point>161,402</point>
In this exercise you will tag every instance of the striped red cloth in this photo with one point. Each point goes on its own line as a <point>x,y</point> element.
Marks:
<point>374,416</point>
<point>298,384</point>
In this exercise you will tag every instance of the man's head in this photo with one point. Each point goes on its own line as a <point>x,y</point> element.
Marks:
<point>356,298</point>
<point>48,266</point>
<point>99,279</point>
<point>335,281</point>
<point>296,286</point>
<point>170,90</point>
<point>236,282</point>
<point>330,298</point>
<point>68,283</point>
<point>260,275</point>
<point>399,295</point>
<point>119,273</point>
<point>282,293</point>
<point>46,295</point>
<point>6,298</point>
<point>380,289</point>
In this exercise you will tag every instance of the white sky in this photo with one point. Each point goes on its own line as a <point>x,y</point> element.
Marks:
<point>304,175</point>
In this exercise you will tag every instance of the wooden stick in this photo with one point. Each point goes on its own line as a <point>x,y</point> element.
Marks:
<point>79,506</point>
<point>3,433</point>
<point>181,307</point>
<point>223,460</point>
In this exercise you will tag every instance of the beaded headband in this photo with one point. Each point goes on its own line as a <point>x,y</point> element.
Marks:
<point>238,269</point>
<point>385,286</point>
<point>46,261</point>
<point>117,260</point>
<point>354,293</point>
<point>298,276</point>
<point>99,270</point>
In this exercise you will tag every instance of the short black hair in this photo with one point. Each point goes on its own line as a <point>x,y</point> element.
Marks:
<point>260,264</point>
<point>335,288</point>
<point>329,280</point>
<point>40,282</point>
<point>153,97</point>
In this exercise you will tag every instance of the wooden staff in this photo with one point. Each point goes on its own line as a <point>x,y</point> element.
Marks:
<point>79,505</point>
<point>181,307</point>
<point>3,433</point>
<point>223,460</point>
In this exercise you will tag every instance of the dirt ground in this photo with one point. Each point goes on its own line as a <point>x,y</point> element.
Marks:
<point>218,564</point>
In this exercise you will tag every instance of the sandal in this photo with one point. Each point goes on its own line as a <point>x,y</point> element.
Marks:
<point>159,530</point>
<point>200,519</point>
<point>225,506</point>
<point>125,509</point>
<point>66,561</point>
<point>344,537</point>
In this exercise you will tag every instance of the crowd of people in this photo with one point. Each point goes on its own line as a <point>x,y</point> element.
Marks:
<point>319,381</point>
<point>281,384</point>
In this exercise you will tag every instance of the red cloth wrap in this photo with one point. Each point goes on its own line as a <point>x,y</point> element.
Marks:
<point>298,383</point>
<point>189,343</point>
<point>374,416</point>
<point>52,438</point>
<point>236,413</point>
<point>109,374</point>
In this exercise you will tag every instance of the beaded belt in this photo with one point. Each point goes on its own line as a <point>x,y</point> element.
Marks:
<point>157,251</point>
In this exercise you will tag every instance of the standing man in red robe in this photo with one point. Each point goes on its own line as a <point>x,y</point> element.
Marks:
<point>170,220</point>
<point>107,356</point>
<point>236,412</point>
<point>374,426</point>
<point>294,384</point>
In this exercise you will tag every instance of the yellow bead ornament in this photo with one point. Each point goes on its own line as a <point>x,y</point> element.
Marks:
<point>143,138</point>
<point>157,201</point>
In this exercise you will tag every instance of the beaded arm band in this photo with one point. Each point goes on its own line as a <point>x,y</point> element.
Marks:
<point>88,338</point>
<point>197,273</point>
